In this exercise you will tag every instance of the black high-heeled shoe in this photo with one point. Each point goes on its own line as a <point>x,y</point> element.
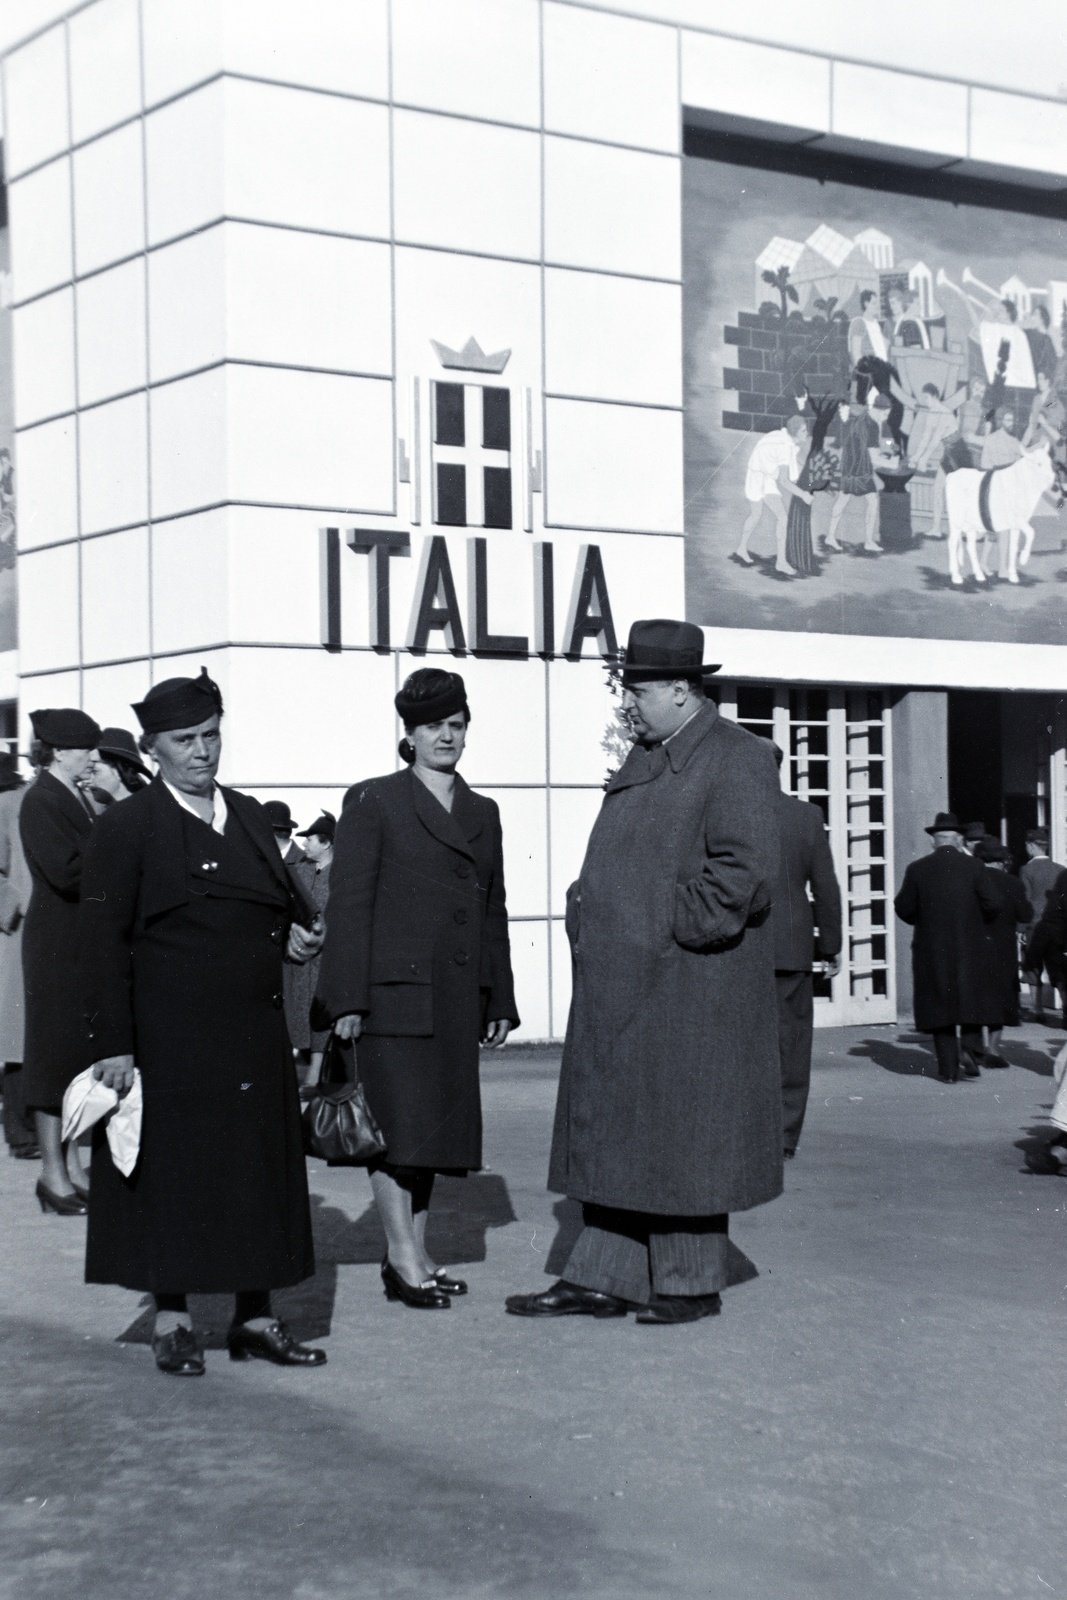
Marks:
<point>425,1296</point>
<point>64,1205</point>
<point>447,1284</point>
<point>81,1191</point>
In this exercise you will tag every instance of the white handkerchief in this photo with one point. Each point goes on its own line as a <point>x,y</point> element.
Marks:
<point>87,1100</point>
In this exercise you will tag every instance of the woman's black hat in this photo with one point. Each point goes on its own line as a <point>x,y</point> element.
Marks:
<point>179,703</point>
<point>662,648</point>
<point>117,742</point>
<point>65,728</point>
<point>10,777</point>
<point>945,822</point>
<point>416,713</point>
<point>325,826</point>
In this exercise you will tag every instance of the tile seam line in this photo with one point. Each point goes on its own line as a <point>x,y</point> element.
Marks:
<point>224,75</point>
<point>704,31</point>
<point>682,28</point>
<point>330,511</point>
<point>555,265</point>
<point>348,649</point>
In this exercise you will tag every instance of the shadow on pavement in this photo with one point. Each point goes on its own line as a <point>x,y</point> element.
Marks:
<point>463,1211</point>
<point>900,1056</point>
<point>1020,1054</point>
<point>228,1486</point>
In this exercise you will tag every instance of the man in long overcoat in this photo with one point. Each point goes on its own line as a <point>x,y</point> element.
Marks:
<point>186,917</point>
<point>804,858</point>
<point>669,1110</point>
<point>947,898</point>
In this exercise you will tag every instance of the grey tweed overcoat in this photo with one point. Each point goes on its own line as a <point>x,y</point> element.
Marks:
<point>670,1092</point>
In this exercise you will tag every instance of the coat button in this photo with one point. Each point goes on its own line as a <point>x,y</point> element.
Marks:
<point>459,916</point>
<point>277,1000</point>
<point>276,936</point>
<point>463,871</point>
<point>461,958</point>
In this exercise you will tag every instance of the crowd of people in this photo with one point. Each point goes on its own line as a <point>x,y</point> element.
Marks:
<point>166,939</point>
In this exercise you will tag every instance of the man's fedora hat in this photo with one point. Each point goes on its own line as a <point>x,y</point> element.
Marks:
<point>662,648</point>
<point>117,742</point>
<point>279,816</point>
<point>945,822</point>
<point>974,832</point>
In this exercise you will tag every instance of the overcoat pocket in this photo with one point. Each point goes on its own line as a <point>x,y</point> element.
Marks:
<point>401,992</point>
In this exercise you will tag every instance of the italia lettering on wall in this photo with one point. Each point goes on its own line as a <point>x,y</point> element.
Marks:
<point>436,615</point>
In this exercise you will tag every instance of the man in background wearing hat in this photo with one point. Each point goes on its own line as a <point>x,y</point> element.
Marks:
<point>55,823</point>
<point>669,1113</point>
<point>804,858</point>
<point>281,820</point>
<point>1040,876</point>
<point>186,919</point>
<point>312,873</point>
<point>947,898</point>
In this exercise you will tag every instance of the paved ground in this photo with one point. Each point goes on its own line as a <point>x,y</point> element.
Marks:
<point>880,1414</point>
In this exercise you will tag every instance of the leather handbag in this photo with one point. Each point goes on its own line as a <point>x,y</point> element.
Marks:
<point>338,1124</point>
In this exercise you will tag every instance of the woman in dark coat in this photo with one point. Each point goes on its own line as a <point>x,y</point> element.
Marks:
<point>1002,945</point>
<point>186,921</point>
<point>54,824</point>
<point>417,967</point>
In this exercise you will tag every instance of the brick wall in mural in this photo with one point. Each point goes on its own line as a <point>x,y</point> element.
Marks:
<point>876,411</point>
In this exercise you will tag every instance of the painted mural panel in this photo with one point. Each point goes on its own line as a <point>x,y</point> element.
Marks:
<point>876,411</point>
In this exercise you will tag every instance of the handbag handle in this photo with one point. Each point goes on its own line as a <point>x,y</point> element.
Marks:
<point>333,1055</point>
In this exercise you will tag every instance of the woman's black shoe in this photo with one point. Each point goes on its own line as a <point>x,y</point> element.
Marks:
<point>64,1205</point>
<point>179,1354</point>
<point>273,1343</point>
<point>448,1285</point>
<point>427,1296</point>
<point>81,1191</point>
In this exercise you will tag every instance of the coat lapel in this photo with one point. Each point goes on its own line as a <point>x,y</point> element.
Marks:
<point>76,809</point>
<point>444,825</point>
<point>249,814</point>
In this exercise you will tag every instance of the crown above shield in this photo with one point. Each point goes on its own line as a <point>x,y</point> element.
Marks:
<point>472,358</point>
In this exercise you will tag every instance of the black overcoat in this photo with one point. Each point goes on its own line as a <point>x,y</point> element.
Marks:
<point>804,858</point>
<point>54,826</point>
<point>670,1094</point>
<point>1014,910</point>
<point>184,931</point>
<point>417,943</point>
<point>946,897</point>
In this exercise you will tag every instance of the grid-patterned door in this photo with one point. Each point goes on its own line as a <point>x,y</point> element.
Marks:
<point>838,756</point>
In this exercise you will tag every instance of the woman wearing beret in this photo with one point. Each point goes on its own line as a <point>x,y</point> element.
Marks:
<point>54,824</point>
<point>417,967</point>
<point>312,872</point>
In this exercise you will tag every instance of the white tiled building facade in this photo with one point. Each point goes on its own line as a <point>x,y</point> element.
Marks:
<point>243,236</point>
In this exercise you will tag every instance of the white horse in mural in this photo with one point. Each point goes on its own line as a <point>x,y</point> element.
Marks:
<point>1012,498</point>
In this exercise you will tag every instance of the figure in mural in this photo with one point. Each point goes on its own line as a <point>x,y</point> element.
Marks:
<point>773,471</point>
<point>1048,415</point>
<point>819,473</point>
<point>860,439</point>
<point>904,325</point>
<point>865,336</point>
<point>935,423</point>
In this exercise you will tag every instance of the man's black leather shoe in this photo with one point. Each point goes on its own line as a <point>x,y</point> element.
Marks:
<point>273,1343</point>
<point>566,1300</point>
<point>663,1308</point>
<point>179,1353</point>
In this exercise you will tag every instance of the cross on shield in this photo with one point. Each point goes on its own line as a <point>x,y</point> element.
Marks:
<point>471,455</point>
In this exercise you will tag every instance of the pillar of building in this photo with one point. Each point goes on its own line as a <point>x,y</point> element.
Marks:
<point>920,791</point>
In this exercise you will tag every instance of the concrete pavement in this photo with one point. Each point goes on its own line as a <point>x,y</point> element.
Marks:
<point>878,1414</point>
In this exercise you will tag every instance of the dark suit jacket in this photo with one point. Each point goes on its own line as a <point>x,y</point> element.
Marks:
<point>418,926</point>
<point>804,858</point>
<point>949,901</point>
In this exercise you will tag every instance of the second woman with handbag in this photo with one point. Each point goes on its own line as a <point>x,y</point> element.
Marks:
<point>417,968</point>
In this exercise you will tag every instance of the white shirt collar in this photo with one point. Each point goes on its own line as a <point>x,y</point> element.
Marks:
<point>219,815</point>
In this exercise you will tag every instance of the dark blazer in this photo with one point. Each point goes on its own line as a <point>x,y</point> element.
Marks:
<point>54,826</point>
<point>804,858</point>
<point>1048,941</point>
<point>1002,946</point>
<point>417,943</point>
<point>184,935</point>
<point>947,898</point>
